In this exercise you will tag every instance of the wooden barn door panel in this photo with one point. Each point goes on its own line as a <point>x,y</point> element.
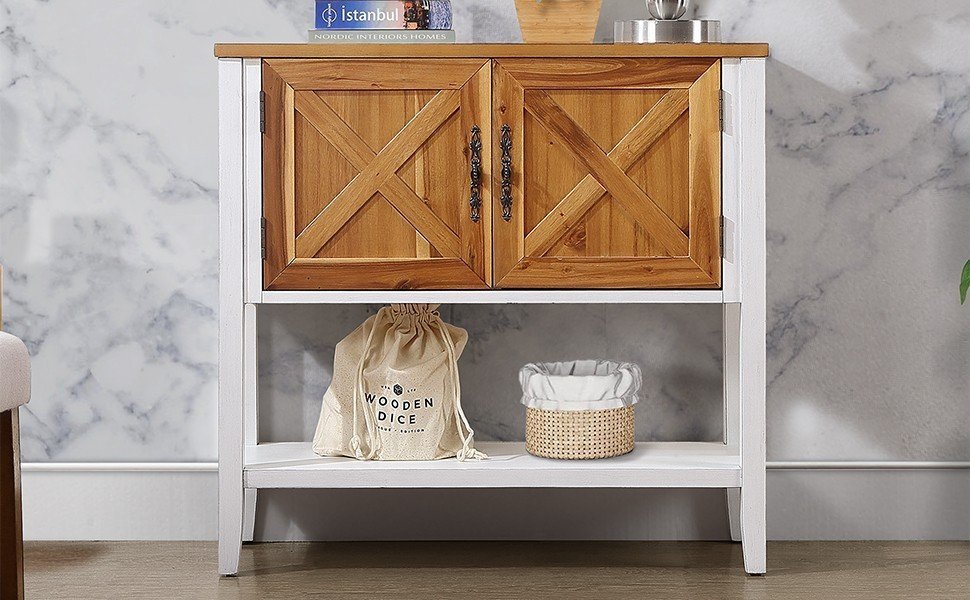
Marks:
<point>367,174</point>
<point>615,172</point>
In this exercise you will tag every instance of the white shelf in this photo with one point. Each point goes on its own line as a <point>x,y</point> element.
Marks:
<point>498,297</point>
<point>671,465</point>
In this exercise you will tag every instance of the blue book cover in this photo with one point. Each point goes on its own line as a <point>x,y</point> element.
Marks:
<point>383,14</point>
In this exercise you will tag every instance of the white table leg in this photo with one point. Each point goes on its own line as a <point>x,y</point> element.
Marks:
<point>753,309</point>
<point>250,408</point>
<point>734,512</point>
<point>249,515</point>
<point>753,479</point>
<point>732,406</point>
<point>230,315</point>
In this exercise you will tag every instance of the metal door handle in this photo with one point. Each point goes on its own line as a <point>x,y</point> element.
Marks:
<point>476,174</point>
<point>506,172</point>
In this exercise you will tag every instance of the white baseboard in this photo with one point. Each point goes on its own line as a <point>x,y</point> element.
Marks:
<point>95,502</point>
<point>177,501</point>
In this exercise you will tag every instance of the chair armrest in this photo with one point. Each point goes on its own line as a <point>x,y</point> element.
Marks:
<point>14,372</point>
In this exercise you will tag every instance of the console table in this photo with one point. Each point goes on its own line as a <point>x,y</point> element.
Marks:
<point>493,174</point>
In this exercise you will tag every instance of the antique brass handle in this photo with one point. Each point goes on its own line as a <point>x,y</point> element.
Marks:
<point>476,174</point>
<point>506,172</point>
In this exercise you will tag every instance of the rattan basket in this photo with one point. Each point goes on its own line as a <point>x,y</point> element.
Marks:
<point>581,409</point>
<point>579,434</point>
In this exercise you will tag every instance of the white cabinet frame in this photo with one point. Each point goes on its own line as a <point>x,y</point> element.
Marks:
<point>737,464</point>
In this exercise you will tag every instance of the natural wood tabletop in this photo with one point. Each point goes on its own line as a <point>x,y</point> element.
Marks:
<point>752,50</point>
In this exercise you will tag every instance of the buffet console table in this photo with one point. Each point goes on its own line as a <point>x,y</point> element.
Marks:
<point>537,174</point>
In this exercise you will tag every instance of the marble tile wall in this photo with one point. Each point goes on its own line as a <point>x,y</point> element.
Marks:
<point>108,163</point>
<point>678,347</point>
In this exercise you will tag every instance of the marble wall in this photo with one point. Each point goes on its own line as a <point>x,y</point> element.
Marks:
<point>108,164</point>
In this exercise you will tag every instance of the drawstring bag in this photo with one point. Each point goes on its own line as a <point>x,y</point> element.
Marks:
<point>395,393</point>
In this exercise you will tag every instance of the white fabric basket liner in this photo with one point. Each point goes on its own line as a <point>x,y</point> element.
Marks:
<point>580,385</point>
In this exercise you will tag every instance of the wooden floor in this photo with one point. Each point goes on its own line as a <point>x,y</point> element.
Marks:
<point>536,571</point>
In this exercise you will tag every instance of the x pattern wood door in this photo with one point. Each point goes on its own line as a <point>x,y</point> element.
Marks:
<point>367,174</point>
<point>615,173</point>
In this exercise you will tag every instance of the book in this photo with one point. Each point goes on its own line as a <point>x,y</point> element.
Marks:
<point>383,14</point>
<point>381,36</point>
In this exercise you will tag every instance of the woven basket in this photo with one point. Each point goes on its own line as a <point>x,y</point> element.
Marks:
<point>579,434</point>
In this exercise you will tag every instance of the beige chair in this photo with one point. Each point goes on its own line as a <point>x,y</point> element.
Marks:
<point>14,391</point>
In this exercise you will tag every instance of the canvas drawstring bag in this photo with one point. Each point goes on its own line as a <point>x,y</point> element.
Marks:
<point>395,393</point>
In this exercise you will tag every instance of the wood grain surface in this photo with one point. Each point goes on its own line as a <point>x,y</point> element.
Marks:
<point>268,51</point>
<point>613,158</point>
<point>616,173</point>
<point>570,210</point>
<point>378,274</point>
<point>277,176</point>
<point>11,521</point>
<point>432,74</point>
<point>501,570</point>
<point>574,21</point>
<point>606,273</point>
<point>705,172</point>
<point>366,175</point>
<point>606,172</point>
<point>383,165</point>
<point>592,73</point>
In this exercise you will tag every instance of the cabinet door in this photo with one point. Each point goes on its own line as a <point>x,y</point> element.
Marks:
<point>367,174</point>
<point>615,173</point>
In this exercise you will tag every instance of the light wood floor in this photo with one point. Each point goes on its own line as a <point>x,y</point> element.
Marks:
<point>535,571</point>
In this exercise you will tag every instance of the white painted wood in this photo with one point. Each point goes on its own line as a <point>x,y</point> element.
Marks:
<point>250,375</point>
<point>499,297</point>
<point>732,405</point>
<point>231,284</point>
<point>268,454</point>
<point>253,260</point>
<point>772,465</point>
<point>730,275</point>
<point>734,512</point>
<point>730,178</point>
<point>249,515</point>
<point>123,467</point>
<point>253,174</point>
<point>667,465</point>
<point>250,407</point>
<point>731,327</point>
<point>867,465</point>
<point>141,501</point>
<point>753,252</point>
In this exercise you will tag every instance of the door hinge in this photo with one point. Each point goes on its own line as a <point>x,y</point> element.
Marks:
<point>262,111</point>
<point>262,236</point>
<point>721,109</point>
<point>722,236</point>
<point>729,240</point>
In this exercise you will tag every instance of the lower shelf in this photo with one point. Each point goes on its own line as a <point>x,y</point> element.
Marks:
<point>672,465</point>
